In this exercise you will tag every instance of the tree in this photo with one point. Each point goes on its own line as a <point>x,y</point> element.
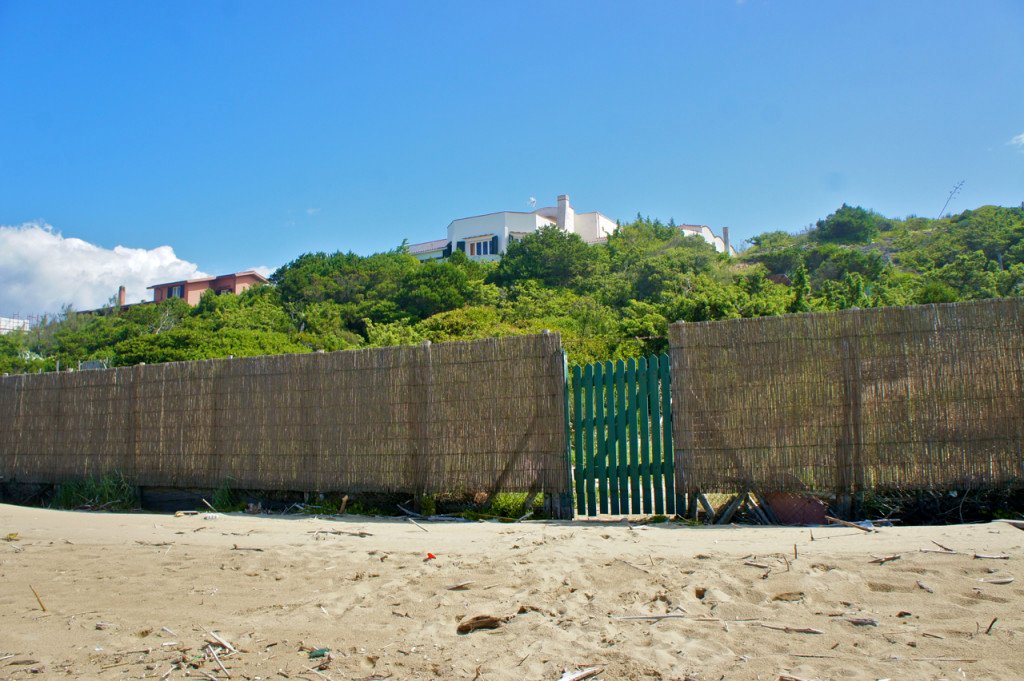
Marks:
<point>433,287</point>
<point>801,290</point>
<point>848,225</point>
<point>550,256</point>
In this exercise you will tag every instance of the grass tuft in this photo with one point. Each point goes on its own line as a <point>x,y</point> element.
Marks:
<point>111,492</point>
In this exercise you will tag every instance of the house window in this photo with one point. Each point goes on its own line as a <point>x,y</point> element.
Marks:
<point>176,291</point>
<point>480,248</point>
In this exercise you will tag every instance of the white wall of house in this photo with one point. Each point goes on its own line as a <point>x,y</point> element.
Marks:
<point>480,227</point>
<point>704,232</point>
<point>594,227</point>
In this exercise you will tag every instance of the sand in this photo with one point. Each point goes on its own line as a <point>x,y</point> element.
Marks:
<point>127,595</point>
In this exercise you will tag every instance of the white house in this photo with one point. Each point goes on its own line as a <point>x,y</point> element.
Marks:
<point>485,237</point>
<point>9,324</point>
<point>721,243</point>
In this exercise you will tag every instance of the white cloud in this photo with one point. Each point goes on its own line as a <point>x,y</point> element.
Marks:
<point>1018,141</point>
<point>41,270</point>
<point>264,270</point>
<point>312,211</point>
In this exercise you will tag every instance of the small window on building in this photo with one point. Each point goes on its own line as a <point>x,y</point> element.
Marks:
<point>480,248</point>
<point>176,291</point>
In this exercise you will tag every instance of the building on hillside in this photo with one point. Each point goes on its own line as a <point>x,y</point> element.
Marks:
<point>192,289</point>
<point>721,243</point>
<point>11,324</point>
<point>485,237</point>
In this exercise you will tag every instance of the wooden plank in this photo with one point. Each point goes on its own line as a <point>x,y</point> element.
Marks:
<point>668,468</point>
<point>620,435</point>
<point>657,465</point>
<point>565,508</point>
<point>611,446</point>
<point>634,458</point>
<point>600,437</point>
<point>577,392</point>
<point>643,414</point>
<point>588,438</point>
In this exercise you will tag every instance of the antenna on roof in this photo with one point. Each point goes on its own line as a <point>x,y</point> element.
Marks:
<point>532,202</point>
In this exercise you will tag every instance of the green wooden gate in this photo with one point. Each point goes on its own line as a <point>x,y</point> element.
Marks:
<point>621,425</point>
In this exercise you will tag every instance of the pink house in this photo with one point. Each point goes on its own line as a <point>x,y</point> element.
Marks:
<point>192,289</point>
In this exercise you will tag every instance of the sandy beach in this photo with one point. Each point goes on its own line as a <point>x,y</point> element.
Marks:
<point>146,596</point>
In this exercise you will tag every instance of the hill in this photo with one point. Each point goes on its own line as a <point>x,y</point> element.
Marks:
<point>607,301</point>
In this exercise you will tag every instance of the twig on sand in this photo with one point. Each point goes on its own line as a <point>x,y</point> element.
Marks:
<point>998,580</point>
<point>417,524</point>
<point>791,630</point>
<point>635,567</point>
<point>993,556</point>
<point>991,624</point>
<point>360,533</point>
<point>581,674</point>
<point>862,621</point>
<point>209,505</point>
<point>882,560</point>
<point>236,547</point>
<point>222,641</point>
<point>216,658</point>
<point>407,512</point>
<point>847,523</point>
<point>925,587</point>
<point>317,672</point>
<point>38,599</point>
<point>461,586</point>
<point>655,618</point>
<point>944,548</point>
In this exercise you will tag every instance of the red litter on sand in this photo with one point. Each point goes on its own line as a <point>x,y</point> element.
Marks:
<point>430,556</point>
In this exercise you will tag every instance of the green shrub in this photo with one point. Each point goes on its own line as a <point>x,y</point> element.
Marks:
<point>226,499</point>
<point>111,492</point>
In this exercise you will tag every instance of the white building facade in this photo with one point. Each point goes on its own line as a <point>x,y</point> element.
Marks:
<point>486,237</point>
<point>721,243</point>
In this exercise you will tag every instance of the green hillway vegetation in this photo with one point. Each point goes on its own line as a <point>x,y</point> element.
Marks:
<point>607,301</point>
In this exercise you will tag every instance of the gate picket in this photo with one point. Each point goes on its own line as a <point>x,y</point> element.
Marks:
<point>611,448</point>
<point>599,437</point>
<point>657,463</point>
<point>588,437</point>
<point>668,466</point>
<point>643,414</point>
<point>581,497</point>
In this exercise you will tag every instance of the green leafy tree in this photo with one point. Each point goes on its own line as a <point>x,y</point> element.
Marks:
<point>550,256</point>
<point>848,225</point>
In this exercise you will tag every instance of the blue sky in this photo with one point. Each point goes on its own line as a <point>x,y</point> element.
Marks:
<point>247,133</point>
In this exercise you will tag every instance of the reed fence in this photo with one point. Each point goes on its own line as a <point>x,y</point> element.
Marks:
<point>918,397</point>
<point>483,415</point>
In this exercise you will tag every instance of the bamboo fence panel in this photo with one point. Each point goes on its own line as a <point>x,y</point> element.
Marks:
<point>929,396</point>
<point>470,416</point>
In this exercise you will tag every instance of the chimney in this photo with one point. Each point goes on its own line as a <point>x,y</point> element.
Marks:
<point>566,217</point>
<point>725,238</point>
<point>120,296</point>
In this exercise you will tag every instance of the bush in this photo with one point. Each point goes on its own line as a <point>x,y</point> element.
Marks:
<point>112,492</point>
